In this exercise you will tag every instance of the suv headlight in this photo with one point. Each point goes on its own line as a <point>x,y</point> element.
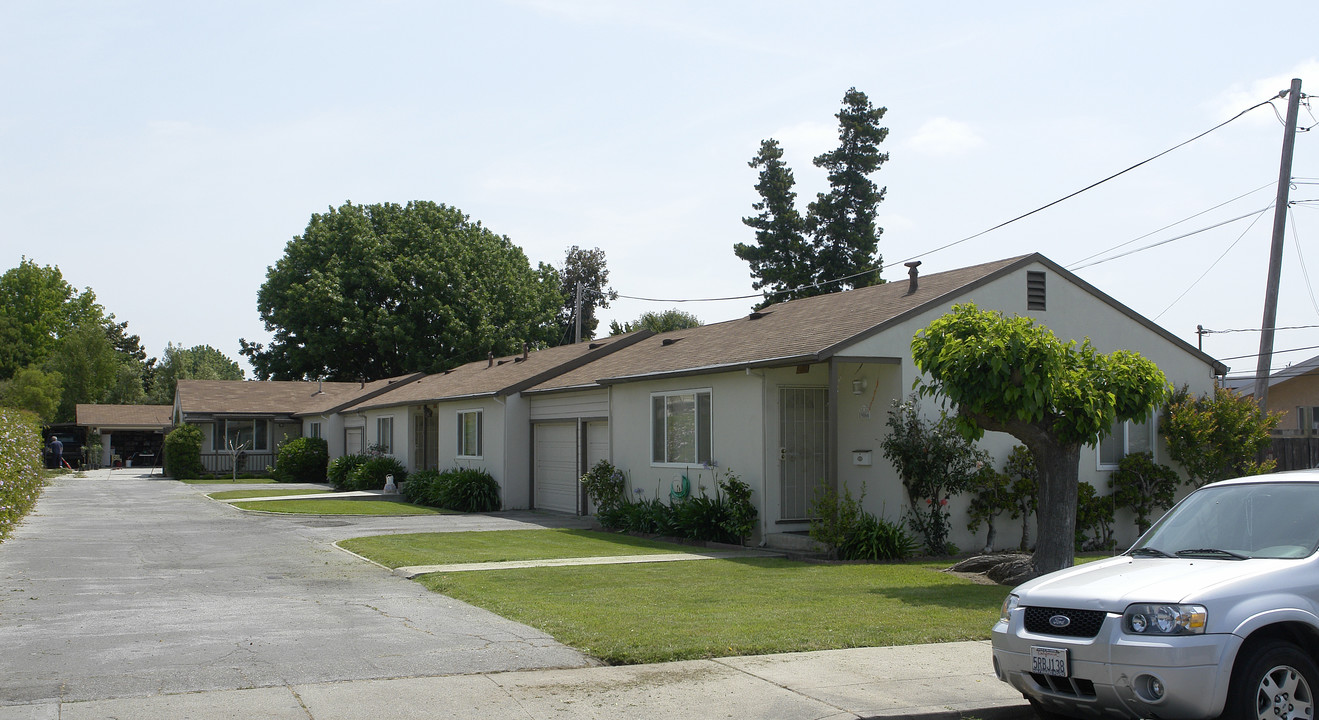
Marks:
<point>1159,619</point>
<point>1009,604</point>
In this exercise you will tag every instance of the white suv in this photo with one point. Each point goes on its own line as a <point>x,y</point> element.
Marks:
<point>1213,612</point>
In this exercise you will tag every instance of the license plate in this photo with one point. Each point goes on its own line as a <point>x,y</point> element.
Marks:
<point>1048,661</point>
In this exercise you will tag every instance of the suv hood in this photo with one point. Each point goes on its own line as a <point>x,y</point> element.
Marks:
<point>1111,585</point>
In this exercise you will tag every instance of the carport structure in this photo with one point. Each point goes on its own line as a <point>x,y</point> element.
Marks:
<point>134,433</point>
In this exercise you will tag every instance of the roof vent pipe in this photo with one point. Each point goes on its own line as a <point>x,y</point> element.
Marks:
<point>490,359</point>
<point>524,351</point>
<point>912,273</point>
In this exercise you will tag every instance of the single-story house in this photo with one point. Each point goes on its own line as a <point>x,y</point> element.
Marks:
<point>1293,393</point>
<point>794,398</point>
<point>133,434</point>
<point>258,415</point>
<point>475,416</point>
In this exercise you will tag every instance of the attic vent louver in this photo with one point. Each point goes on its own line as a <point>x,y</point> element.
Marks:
<point>669,341</point>
<point>1035,297</point>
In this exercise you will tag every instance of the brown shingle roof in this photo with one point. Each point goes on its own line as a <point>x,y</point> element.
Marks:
<point>278,397</point>
<point>124,415</point>
<point>809,330</point>
<point>506,376</point>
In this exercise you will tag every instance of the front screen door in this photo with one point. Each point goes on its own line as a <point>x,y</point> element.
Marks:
<point>803,448</point>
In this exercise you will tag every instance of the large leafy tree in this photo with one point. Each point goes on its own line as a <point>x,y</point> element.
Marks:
<point>38,307</point>
<point>657,322</point>
<point>842,221</point>
<point>199,362</point>
<point>1011,375</point>
<point>34,390</point>
<point>1219,436</point>
<point>92,371</point>
<point>588,268</point>
<point>381,290</point>
<point>782,260</point>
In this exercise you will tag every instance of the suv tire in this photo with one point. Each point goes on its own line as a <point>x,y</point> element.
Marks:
<point>1276,680</point>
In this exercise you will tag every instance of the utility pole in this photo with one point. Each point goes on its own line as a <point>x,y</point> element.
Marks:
<point>577,313</point>
<point>1275,253</point>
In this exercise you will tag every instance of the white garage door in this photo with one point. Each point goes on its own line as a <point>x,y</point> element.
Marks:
<point>556,467</point>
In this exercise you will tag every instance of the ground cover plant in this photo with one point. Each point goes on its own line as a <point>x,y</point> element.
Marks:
<point>340,506</point>
<point>241,494</point>
<point>661,612</point>
<point>501,546</point>
<point>20,466</point>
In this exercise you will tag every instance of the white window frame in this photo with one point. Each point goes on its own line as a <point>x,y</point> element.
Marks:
<point>313,429</point>
<point>463,450</point>
<point>385,434</point>
<point>660,424</point>
<point>1128,434</point>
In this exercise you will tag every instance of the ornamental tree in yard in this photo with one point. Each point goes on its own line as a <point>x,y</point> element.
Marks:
<point>1219,437</point>
<point>1144,486</point>
<point>935,462</point>
<point>1011,375</point>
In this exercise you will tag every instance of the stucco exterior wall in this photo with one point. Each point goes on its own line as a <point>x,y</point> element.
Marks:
<point>1286,396</point>
<point>1072,314</point>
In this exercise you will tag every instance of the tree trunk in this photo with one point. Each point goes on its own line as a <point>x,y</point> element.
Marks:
<point>1055,535</point>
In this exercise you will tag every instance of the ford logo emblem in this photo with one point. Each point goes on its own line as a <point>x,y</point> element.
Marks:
<point>1060,621</point>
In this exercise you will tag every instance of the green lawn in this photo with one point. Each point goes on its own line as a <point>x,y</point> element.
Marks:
<point>240,494</point>
<point>344,506</point>
<point>227,481</point>
<point>500,545</point>
<point>660,612</point>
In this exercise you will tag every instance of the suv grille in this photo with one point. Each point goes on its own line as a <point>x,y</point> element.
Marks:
<point>1084,623</point>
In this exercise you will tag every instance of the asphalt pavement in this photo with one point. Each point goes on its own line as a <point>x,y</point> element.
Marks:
<point>134,596</point>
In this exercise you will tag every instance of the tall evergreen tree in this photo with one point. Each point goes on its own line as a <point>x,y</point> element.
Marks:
<point>842,222</point>
<point>782,261</point>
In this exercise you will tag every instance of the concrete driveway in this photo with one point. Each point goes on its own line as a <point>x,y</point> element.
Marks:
<point>121,584</point>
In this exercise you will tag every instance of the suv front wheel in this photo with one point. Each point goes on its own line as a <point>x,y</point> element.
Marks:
<point>1276,682</point>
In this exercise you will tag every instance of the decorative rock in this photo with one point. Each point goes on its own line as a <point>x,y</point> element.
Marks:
<point>983,563</point>
<point>1012,572</point>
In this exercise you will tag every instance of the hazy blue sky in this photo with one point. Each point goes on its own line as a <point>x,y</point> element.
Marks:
<point>163,153</point>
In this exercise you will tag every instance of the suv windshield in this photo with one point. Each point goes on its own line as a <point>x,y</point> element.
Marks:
<point>1238,522</point>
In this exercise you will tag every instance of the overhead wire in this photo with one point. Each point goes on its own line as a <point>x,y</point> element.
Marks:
<point>1212,265</point>
<point>1300,257</point>
<point>1003,224</point>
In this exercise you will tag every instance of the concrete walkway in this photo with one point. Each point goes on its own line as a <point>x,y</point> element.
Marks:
<point>130,599</point>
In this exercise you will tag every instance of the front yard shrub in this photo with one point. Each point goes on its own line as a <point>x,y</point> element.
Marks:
<point>852,533</point>
<point>370,475</point>
<point>1144,486</point>
<point>422,488</point>
<point>935,462</point>
<point>462,489</point>
<point>183,453</point>
<point>340,470</point>
<point>1094,519</point>
<point>605,485</point>
<point>303,459</point>
<point>20,466</point>
<point>470,490</point>
<point>728,516</point>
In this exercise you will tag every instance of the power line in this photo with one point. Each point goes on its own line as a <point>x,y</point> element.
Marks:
<point>1170,225</point>
<point>1256,213</point>
<point>1207,331</point>
<point>1003,224</point>
<point>1212,265</point>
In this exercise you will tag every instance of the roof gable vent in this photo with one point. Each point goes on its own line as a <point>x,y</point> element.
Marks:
<point>1035,295</point>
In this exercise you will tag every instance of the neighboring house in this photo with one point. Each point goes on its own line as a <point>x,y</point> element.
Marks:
<point>474,416</point>
<point>133,433</point>
<point>257,416</point>
<point>1294,394</point>
<point>794,398</point>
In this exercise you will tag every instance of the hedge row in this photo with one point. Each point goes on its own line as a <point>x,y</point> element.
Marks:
<point>20,466</point>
